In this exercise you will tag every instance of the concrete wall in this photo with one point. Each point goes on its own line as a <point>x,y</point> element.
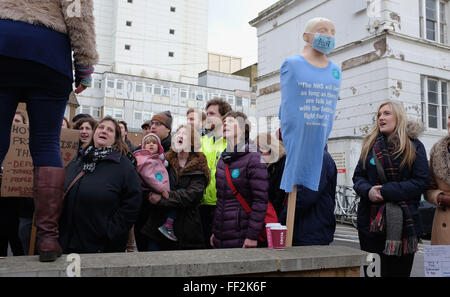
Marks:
<point>297,261</point>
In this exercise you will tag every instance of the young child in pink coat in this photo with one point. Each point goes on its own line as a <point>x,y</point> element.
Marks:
<point>151,166</point>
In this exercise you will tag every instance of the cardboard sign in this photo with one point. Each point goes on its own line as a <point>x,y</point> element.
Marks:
<point>18,165</point>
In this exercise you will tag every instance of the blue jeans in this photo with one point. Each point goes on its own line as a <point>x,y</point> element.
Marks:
<point>45,111</point>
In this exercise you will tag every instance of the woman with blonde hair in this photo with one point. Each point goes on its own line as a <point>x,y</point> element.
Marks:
<point>390,178</point>
<point>439,192</point>
<point>274,156</point>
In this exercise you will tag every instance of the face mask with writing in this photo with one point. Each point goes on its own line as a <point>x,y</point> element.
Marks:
<point>323,43</point>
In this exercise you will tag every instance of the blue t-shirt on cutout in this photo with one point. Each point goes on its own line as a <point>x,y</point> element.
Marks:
<point>308,104</point>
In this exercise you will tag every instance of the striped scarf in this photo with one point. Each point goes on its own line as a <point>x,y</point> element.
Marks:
<point>394,218</point>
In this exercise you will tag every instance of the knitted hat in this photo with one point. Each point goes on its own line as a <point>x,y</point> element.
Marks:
<point>164,118</point>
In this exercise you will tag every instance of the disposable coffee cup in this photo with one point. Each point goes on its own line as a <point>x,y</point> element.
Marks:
<point>269,233</point>
<point>278,237</point>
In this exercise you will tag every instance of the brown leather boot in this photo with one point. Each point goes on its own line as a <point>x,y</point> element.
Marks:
<point>48,197</point>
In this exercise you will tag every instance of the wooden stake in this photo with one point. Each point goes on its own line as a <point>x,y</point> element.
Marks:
<point>292,200</point>
<point>32,238</point>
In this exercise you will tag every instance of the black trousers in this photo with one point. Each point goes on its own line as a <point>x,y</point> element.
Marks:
<point>391,266</point>
<point>9,227</point>
<point>207,217</point>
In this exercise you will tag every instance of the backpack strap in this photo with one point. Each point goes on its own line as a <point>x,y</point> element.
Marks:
<point>236,194</point>
<point>80,175</point>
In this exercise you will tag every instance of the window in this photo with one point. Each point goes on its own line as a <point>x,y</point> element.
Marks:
<point>138,115</point>
<point>434,97</point>
<point>183,93</point>
<point>129,23</point>
<point>433,20</point>
<point>98,84</point>
<point>157,90</point>
<point>442,23</point>
<point>119,84</point>
<point>95,112</point>
<point>147,116</point>
<point>139,87</point>
<point>171,54</point>
<point>127,47</point>
<point>148,89</point>
<point>118,113</point>
<point>253,103</point>
<point>238,101</point>
<point>166,92</point>
<point>173,9</point>
<point>230,99</point>
<point>172,31</point>
<point>110,84</point>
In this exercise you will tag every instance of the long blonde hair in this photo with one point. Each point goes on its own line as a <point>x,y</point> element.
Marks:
<point>404,145</point>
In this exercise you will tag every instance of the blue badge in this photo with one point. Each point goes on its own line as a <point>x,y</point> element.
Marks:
<point>372,161</point>
<point>159,176</point>
<point>235,173</point>
<point>336,73</point>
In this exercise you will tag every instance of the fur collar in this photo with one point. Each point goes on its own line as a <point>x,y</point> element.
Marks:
<point>414,129</point>
<point>197,163</point>
<point>441,159</point>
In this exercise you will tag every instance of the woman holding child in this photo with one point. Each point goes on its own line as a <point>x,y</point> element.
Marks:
<point>177,210</point>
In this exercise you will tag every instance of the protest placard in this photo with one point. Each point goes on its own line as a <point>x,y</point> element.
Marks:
<point>437,261</point>
<point>18,164</point>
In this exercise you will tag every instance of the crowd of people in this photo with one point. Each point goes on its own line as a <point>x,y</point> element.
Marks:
<point>173,193</point>
<point>173,190</point>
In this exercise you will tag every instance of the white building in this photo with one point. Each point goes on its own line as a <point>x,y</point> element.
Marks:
<point>136,99</point>
<point>214,79</point>
<point>388,50</point>
<point>153,38</point>
<point>150,55</point>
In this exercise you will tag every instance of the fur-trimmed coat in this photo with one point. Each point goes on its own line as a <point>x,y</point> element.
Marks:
<point>440,183</point>
<point>414,182</point>
<point>74,18</point>
<point>187,187</point>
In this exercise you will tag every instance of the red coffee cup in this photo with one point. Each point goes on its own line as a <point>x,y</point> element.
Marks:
<point>269,234</point>
<point>278,237</point>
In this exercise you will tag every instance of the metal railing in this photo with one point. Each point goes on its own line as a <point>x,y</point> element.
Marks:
<point>346,208</point>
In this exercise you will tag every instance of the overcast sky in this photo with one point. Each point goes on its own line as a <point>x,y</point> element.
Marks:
<point>229,32</point>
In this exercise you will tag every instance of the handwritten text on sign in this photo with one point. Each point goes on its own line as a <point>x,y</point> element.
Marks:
<point>18,165</point>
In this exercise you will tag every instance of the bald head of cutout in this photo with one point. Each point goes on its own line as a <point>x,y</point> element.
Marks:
<point>318,25</point>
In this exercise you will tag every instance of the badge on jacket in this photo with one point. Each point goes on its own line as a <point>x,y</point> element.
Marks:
<point>235,173</point>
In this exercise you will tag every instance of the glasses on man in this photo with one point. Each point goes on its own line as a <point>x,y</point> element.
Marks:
<point>155,123</point>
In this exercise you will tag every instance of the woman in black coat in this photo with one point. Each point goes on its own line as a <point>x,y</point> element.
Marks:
<point>388,216</point>
<point>189,176</point>
<point>100,207</point>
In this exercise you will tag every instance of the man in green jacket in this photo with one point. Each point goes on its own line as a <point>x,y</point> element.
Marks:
<point>212,146</point>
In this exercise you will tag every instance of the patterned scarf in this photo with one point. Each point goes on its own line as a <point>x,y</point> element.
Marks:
<point>92,156</point>
<point>394,218</point>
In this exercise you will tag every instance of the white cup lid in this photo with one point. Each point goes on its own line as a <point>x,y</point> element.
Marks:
<point>278,228</point>
<point>273,225</point>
